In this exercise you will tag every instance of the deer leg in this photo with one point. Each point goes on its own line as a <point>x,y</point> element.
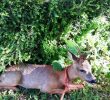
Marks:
<point>10,87</point>
<point>70,87</point>
<point>62,96</point>
<point>75,86</point>
<point>64,91</point>
<point>56,91</point>
<point>59,91</point>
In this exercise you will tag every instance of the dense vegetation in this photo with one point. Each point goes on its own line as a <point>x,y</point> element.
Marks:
<point>35,31</point>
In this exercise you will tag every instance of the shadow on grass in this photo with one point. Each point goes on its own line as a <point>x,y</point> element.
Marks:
<point>32,94</point>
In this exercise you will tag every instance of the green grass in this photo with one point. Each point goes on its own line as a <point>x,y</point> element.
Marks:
<point>28,94</point>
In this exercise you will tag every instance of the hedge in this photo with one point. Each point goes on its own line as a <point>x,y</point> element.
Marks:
<point>35,32</point>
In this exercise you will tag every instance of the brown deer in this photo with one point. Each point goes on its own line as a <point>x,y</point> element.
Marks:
<point>46,79</point>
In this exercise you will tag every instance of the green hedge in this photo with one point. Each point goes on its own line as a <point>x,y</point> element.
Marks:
<point>35,32</point>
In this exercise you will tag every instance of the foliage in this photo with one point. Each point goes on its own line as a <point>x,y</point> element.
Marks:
<point>41,31</point>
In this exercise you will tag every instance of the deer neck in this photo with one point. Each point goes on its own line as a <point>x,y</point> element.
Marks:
<point>72,73</point>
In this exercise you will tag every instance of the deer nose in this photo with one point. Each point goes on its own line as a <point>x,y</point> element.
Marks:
<point>92,81</point>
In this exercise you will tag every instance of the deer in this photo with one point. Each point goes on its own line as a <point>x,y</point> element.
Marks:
<point>45,78</point>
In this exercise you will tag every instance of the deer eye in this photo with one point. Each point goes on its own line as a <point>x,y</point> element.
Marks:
<point>83,71</point>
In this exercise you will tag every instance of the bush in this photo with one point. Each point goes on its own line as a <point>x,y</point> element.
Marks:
<point>35,32</point>
<point>41,31</point>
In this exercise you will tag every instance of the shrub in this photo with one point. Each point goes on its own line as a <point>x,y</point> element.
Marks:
<point>35,32</point>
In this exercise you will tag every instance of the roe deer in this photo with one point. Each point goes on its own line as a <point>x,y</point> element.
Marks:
<point>46,79</point>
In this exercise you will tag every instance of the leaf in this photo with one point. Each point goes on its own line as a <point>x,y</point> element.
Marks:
<point>107,75</point>
<point>72,47</point>
<point>57,66</point>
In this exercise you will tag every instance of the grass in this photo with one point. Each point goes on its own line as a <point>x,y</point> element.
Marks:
<point>27,94</point>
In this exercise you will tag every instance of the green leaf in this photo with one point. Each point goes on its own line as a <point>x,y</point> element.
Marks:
<point>72,47</point>
<point>57,66</point>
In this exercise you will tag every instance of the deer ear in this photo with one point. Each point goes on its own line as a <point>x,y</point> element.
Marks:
<point>74,57</point>
<point>83,57</point>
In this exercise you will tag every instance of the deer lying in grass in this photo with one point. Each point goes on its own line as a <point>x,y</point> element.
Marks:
<point>43,77</point>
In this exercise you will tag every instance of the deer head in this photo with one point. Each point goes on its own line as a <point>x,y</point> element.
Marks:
<point>83,69</point>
